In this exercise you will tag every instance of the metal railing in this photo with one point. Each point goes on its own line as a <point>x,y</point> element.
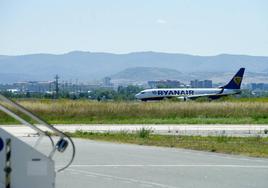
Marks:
<point>60,145</point>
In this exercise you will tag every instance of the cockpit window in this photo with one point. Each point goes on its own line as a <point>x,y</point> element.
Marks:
<point>143,92</point>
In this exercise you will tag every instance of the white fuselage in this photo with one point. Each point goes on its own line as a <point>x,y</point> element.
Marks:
<point>158,94</point>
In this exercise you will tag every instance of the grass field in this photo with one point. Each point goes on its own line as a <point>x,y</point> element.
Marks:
<point>167,112</point>
<point>248,146</point>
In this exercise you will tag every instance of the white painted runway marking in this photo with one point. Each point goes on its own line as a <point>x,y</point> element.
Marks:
<point>122,178</point>
<point>89,175</point>
<point>171,165</point>
<point>145,185</point>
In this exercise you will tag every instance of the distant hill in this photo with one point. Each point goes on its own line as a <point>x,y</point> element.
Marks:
<point>147,73</point>
<point>144,74</point>
<point>15,77</point>
<point>3,56</point>
<point>87,66</point>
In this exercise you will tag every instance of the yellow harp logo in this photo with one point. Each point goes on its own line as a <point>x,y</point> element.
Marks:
<point>237,80</point>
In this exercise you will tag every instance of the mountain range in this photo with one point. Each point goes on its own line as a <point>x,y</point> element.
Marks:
<point>88,66</point>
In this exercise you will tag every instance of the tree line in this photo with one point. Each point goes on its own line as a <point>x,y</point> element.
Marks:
<point>100,94</point>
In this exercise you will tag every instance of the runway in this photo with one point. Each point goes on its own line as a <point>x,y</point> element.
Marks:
<point>228,130</point>
<point>102,165</point>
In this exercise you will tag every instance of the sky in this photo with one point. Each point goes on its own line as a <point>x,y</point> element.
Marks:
<point>204,27</point>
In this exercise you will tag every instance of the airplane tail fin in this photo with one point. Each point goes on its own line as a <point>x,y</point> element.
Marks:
<point>236,81</point>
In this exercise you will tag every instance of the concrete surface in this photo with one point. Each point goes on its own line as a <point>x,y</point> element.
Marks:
<point>102,165</point>
<point>230,130</point>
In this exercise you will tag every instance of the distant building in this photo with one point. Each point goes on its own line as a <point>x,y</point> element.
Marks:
<point>165,83</point>
<point>49,87</point>
<point>107,82</point>
<point>207,84</point>
<point>259,86</point>
<point>34,86</point>
<point>194,83</point>
<point>13,90</point>
<point>201,84</point>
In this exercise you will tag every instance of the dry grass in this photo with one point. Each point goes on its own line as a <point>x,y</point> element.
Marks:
<point>84,111</point>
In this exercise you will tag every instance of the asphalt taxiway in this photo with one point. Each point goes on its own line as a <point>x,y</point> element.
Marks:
<point>102,165</point>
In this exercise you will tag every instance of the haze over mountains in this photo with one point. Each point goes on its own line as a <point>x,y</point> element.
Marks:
<point>88,66</point>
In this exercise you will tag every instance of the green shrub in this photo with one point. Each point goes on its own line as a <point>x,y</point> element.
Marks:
<point>144,133</point>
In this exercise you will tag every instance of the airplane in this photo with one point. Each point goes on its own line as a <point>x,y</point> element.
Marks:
<point>232,88</point>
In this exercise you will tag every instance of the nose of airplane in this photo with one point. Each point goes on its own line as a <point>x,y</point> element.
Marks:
<point>137,96</point>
